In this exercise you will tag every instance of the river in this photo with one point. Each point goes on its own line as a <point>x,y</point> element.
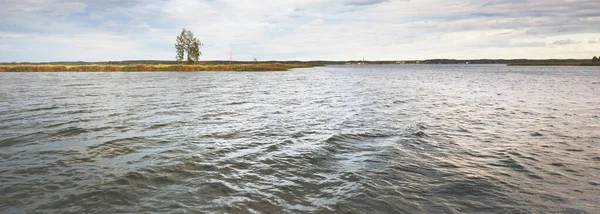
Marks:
<point>355,139</point>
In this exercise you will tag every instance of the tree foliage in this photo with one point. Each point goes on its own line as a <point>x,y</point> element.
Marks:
<point>595,59</point>
<point>186,45</point>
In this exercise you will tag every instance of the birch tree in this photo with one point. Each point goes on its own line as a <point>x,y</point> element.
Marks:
<point>186,45</point>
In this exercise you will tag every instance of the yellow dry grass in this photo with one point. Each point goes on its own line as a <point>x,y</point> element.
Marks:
<point>144,67</point>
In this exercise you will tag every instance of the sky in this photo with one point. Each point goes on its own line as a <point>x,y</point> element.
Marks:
<point>103,30</point>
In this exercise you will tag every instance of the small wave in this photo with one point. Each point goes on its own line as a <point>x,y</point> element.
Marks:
<point>212,115</point>
<point>536,134</point>
<point>216,189</point>
<point>81,111</point>
<point>354,137</point>
<point>420,134</point>
<point>92,200</point>
<point>66,123</point>
<point>511,163</point>
<point>236,103</point>
<point>74,161</point>
<point>231,135</point>
<point>463,130</point>
<point>145,180</point>
<point>27,138</point>
<point>158,126</point>
<point>115,148</point>
<point>68,132</point>
<point>76,85</point>
<point>468,186</point>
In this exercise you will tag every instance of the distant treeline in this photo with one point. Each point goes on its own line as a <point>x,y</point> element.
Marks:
<point>557,62</point>
<point>149,67</point>
<point>509,61</point>
<point>503,61</point>
<point>541,62</point>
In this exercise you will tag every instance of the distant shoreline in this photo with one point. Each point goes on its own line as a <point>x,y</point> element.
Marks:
<point>555,64</point>
<point>150,67</point>
<point>172,66</point>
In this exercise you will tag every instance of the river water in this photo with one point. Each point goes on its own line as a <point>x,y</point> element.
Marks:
<point>355,139</point>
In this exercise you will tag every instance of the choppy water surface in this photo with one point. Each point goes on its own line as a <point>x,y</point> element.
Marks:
<point>358,139</point>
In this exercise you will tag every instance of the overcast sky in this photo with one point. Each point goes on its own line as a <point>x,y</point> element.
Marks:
<point>101,30</point>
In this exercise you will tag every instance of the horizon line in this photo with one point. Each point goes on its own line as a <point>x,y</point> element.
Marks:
<point>314,60</point>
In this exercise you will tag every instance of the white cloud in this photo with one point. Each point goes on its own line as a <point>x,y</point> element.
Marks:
<point>48,7</point>
<point>364,2</point>
<point>305,30</point>
<point>565,42</point>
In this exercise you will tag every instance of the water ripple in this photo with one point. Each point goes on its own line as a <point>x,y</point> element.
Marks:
<point>356,139</point>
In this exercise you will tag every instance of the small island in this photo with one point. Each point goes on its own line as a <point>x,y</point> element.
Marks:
<point>186,46</point>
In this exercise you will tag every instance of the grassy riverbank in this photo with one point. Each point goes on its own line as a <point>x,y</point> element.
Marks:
<point>146,67</point>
